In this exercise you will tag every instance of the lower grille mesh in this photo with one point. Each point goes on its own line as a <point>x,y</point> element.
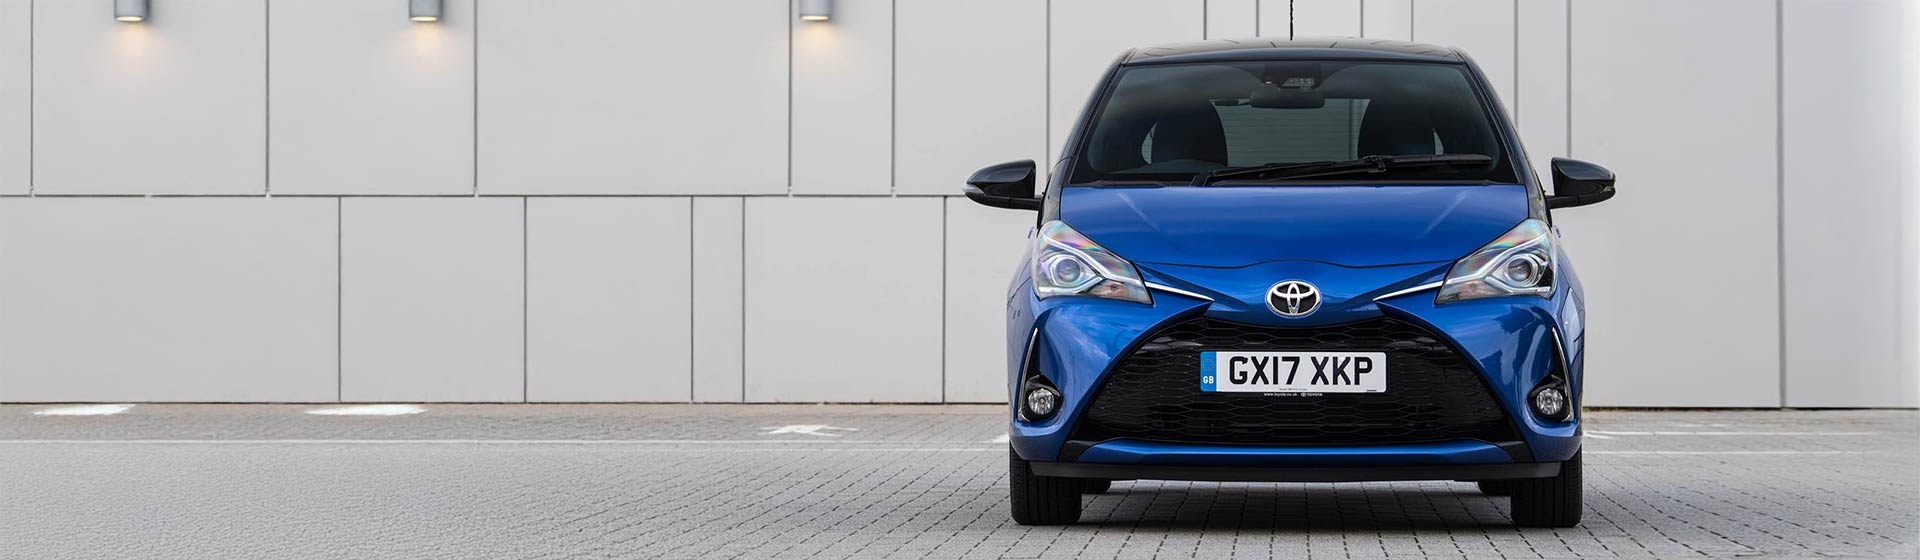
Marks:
<point>1432,394</point>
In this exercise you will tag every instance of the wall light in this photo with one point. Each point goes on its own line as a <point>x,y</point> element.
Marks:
<point>423,10</point>
<point>130,10</point>
<point>816,10</point>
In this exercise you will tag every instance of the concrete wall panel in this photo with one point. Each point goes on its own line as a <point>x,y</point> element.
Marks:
<point>1313,18</point>
<point>984,246</point>
<point>1539,104</point>
<point>168,299</point>
<point>174,105</point>
<point>718,298</point>
<point>1387,19</point>
<point>16,91</point>
<point>965,103</point>
<point>1700,205</point>
<point>366,101</point>
<point>843,299</point>
<point>1233,19</point>
<point>622,97</point>
<point>432,304</point>
<point>1843,344</point>
<point>608,318</point>
<point>843,100</point>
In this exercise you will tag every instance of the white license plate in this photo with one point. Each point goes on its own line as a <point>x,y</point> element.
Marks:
<point>1293,372</point>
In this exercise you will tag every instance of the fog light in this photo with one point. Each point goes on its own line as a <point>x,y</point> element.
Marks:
<point>1041,401</point>
<point>1550,402</point>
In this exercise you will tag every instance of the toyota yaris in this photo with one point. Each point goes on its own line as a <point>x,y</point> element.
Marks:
<point>1308,261</point>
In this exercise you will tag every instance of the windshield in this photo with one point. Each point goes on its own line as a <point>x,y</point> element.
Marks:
<point>1257,122</point>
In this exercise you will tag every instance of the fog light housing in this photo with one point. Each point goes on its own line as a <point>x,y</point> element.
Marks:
<point>1040,402</point>
<point>1550,402</point>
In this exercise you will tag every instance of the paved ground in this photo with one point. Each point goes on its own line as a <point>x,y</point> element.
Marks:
<point>518,481</point>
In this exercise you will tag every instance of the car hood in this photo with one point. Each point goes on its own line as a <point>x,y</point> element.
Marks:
<point>1352,226</point>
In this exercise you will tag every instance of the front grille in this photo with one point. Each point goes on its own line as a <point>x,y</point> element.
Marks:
<point>1432,394</point>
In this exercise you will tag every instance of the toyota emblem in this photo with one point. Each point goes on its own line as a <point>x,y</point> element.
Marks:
<point>1293,298</point>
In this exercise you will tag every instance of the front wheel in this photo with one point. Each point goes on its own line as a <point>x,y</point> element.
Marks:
<point>1549,502</point>
<point>1041,500</point>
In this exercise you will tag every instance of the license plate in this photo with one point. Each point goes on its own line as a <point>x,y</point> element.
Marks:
<point>1293,372</point>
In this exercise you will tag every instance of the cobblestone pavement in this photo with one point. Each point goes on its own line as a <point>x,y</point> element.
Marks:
<point>805,481</point>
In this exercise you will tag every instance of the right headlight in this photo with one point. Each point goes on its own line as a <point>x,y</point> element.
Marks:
<point>1519,263</point>
<point>1066,263</point>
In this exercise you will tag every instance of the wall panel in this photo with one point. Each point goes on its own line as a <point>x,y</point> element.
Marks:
<point>965,103</point>
<point>621,97</point>
<point>843,100</point>
<point>432,304</point>
<point>173,105</point>
<point>983,251</point>
<point>718,299</point>
<point>1653,344</point>
<point>1087,35</point>
<point>168,299</point>
<point>16,105</point>
<point>608,317</point>
<point>1313,18</point>
<point>843,299</point>
<point>1233,19</point>
<point>1539,104</point>
<point>1843,345</point>
<point>365,101</point>
<point>1387,19</point>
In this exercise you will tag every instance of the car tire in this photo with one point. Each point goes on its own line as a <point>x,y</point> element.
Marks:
<point>1041,500</point>
<point>1095,485</point>
<point>1549,502</point>
<point>1497,487</point>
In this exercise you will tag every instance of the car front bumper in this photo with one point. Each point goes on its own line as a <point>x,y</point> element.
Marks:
<point>1511,343</point>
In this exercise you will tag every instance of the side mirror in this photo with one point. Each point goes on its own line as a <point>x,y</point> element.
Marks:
<point>1578,183</point>
<point>1008,185</point>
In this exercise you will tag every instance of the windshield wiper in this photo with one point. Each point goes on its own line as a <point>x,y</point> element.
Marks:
<point>1368,164</point>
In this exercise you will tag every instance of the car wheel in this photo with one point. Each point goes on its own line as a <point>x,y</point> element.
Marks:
<point>1549,502</point>
<point>1041,500</point>
<point>1497,487</point>
<point>1095,485</point>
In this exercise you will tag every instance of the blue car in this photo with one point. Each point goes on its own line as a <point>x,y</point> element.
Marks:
<point>1294,261</point>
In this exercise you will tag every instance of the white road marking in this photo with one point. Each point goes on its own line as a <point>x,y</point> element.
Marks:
<point>1735,433</point>
<point>650,446</point>
<point>1733,452</point>
<point>822,430</point>
<point>776,443</point>
<point>1002,438</point>
<point>369,410</point>
<point>742,446</point>
<point>84,410</point>
<point>1596,436</point>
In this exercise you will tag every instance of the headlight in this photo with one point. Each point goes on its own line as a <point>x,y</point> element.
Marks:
<point>1066,263</point>
<point>1519,263</point>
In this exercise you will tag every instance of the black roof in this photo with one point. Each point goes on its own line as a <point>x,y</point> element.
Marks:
<point>1336,48</point>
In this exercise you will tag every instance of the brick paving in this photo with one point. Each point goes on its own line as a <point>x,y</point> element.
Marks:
<point>637,481</point>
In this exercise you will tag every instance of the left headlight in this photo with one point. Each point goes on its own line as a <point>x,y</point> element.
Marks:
<point>1519,263</point>
<point>1066,263</point>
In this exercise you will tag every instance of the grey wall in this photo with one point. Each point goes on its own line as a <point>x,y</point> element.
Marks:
<point>624,200</point>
